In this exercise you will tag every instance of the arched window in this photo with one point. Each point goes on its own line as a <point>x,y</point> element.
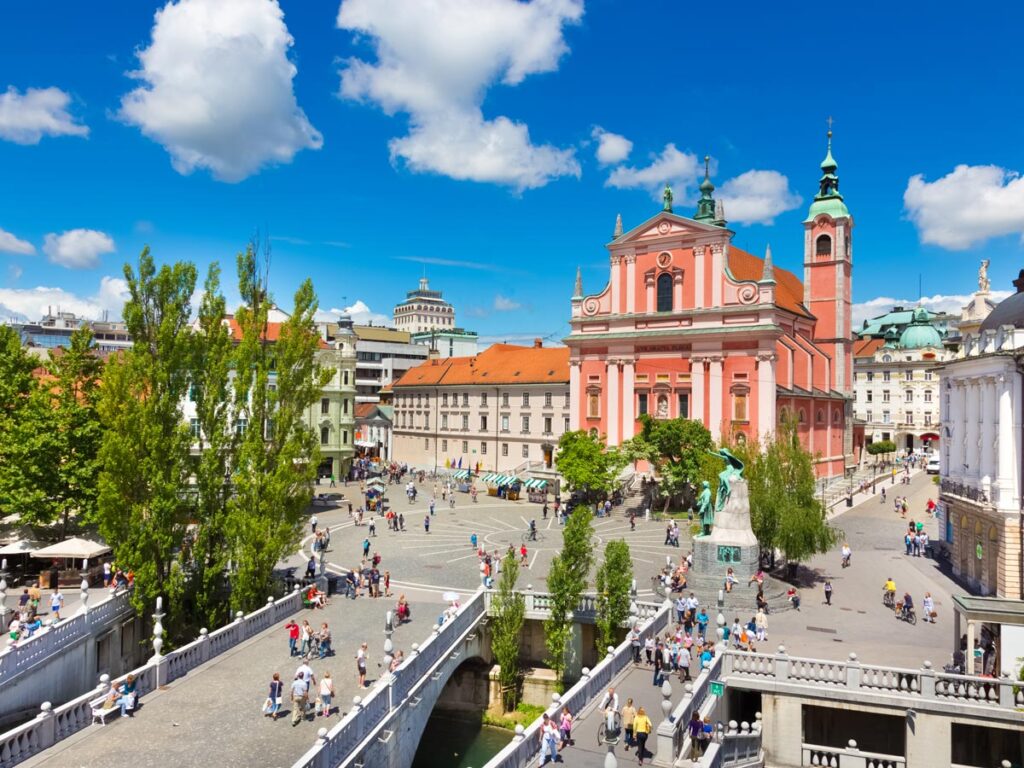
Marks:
<point>821,416</point>
<point>664,292</point>
<point>823,246</point>
<point>801,417</point>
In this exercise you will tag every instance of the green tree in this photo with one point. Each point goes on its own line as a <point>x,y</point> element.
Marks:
<point>784,511</point>
<point>508,611</point>
<point>213,458</point>
<point>587,464</point>
<point>567,581</point>
<point>275,383</point>
<point>613,581</point>
<point>881,448</point>
<point>142,510</point>
<point>676,448</point>
<point>17,387</point>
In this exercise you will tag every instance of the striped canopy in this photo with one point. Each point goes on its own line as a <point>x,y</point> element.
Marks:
<point>495,478</point>
<point>534,484</point>
<point>460,474</point>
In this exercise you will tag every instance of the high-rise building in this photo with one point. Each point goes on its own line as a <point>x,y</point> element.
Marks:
<point>424,310</point>
<point>382,356</point>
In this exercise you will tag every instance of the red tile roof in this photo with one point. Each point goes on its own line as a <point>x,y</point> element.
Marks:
<point>789,290</point>
<point>273,332</point>
<point>365,410</point>
<point>867,347</point>
<point>498,364</point>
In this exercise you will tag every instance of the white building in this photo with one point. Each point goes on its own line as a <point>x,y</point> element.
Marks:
<point>981,455</point>
<point>382,356</point>
<point>456,342</point>
<point>503,410</point>
<point>374,429</point>
<point>424,310</point>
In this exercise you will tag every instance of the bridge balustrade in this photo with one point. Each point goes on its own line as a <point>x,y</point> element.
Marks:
<point>838,757</point>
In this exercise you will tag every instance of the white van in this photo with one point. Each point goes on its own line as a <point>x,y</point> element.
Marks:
<point>932,467</point>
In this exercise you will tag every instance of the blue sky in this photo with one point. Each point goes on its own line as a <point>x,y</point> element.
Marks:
<point>492,142</point>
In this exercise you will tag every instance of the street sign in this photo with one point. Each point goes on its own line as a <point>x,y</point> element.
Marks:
<point>717,689</point>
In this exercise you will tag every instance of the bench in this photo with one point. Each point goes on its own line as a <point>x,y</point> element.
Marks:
<point>101,714</point>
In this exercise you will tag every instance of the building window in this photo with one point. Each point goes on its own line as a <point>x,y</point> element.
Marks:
<point>344,406</point>
<point>908,396</point>
<point>426,400</point>
<point>885,375</point>
<point>483,422</point>
<point>908,375</point>
<point>871,375</point>
<point>426,443</point>
<point>465,422</point>
<point>835,417</point>
<point>325,435</point>
<point>565,403</point>
<point>566,424</point>
<point>593,406</point>
<point>910,417</point>
<point>193,391</point>
<point>664,292</point>
<point>928,418</point>
<point>801,417</point>
<point>869,417</point>
<point>465,446</point>
<point>240,425</point>
<point>739,407</point>
<point>483,399</point>
<point>426,421</point>
<point>345,376</point>
<point>886,358</point>
<point>444,421</point>
<point>344,436</point>
<point>641,403</point>
<point>419,400</point>
<point>684,405</point>
<point>526,399</point>
<point>927,375</point>
<point>820,418</point>
<point>927,395</point>
<point>444,398</point>
<point>823,246</point>
<point>526,424</point>
<point>885,417</point>
<point>193,427</point>
<point>504,423</point>
<point>868,396</point>
<point>444,446</point>
<point>465,399</point>
<point>504,449</point>
<point>504,399</point>
<point>526,451</point>
<point>547,425</point>
<point>547,399</point>
<point>483,449</point>
<point>885,395</point>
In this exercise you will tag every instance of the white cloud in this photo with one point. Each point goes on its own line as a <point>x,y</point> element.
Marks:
<point>77,248</point>
<point>967,206</point>
<point>11,244</point>
<point>505,304</point>
<point>680,169</point>
<point>435,62</point>
<point>26,118</point>
<point>611,147</point>
<point>217,90</point>
<point>14,272</point>
<point>953,303</point>
<point>757,197</point>
<point>33,303</point>
<point>359,311</point>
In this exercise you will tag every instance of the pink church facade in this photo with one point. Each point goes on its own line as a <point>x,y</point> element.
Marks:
<point>691,325</point>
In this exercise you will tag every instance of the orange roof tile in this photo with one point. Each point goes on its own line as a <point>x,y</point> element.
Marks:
<point>365,410</point>
<point>867,347</point>
<point>498,364</point>
<point>273,332</point>
<point>789,290</point>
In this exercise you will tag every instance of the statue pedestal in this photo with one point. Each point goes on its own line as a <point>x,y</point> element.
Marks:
<point>732,543</point>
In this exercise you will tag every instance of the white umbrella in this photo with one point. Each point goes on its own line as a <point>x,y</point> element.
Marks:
<point>19,547</point>
<point>450,597</point>
<point>73,548</point>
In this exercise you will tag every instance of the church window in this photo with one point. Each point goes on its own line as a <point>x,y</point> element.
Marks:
<point>593,406</point>
<point>823,246</point>
<point>641,403</point>
<point>783,414</point>
<point>741,438</point>
<point>739,406</point>
<point>664,292</point>
<point>835,417</point>
<point>802,416</point>
<point>821,416</point>
<point>684,405</point>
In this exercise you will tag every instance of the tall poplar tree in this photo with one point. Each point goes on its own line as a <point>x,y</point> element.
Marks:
<point>16,389</point>
<point>567,581</point>
<point>508,611</point>
<point>275,384</point>
<point>613,582</point>
<point>143,509</point>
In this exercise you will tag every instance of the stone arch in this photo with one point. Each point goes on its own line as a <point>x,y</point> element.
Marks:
<point>663,291</point>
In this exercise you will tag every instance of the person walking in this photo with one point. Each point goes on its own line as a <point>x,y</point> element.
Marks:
<point>695,729</point>
<point>56,604</point>
<point>628,717</point>
<point>683,662</point>
<point>828,592</point>
<point>299,697</point>
<point>928,608</point>
<point>548,741</point>
<point>641,730</point>
<point>326,694</point>
<point>761,623</point>
<point>293,637</point>
<point>426,524</point>
<point>312,523</point>
<point>658,665</point>
<point>273,703</point>
<point>565,727</point>
<point>361,664</point>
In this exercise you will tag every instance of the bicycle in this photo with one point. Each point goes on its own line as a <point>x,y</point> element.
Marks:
<point>534,536</point>
<point>609,729</point>
<point>888,599</point>
<point>908,615</point>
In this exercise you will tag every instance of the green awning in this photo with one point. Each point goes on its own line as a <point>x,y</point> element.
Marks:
<point>534,484</point>
<point>488,478</point>
<point>460,474</point>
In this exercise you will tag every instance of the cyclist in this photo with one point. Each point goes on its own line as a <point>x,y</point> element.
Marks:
<point>846,554</point>
<point>908,605</point>
<point>610,707</point>
<point>533,530</point>
<point>889,590</point>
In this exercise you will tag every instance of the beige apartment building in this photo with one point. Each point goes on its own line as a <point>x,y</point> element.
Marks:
<point>502,410</point>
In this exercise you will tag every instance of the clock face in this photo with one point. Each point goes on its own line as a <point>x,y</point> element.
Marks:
<point>664,227</point>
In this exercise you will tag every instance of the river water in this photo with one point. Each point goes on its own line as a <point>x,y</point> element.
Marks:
<point>458,743</point>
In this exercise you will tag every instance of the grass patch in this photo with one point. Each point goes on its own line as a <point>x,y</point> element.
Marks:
<point>523,715</point>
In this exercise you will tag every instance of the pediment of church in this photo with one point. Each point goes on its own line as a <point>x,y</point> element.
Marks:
<point>666,224</point>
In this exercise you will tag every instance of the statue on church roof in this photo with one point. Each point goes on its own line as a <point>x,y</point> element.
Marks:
<point>983,283</point>
<point>666,197</point>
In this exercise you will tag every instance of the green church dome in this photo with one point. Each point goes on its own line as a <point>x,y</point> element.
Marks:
<point>920,333</point>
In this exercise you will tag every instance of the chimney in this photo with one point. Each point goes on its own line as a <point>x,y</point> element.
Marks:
<point>538,343</point>
<point>433,355</point>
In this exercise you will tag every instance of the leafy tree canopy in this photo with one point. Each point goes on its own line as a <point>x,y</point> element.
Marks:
<point>587,464</point>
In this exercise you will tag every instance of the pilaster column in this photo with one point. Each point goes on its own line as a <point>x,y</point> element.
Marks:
<point>628,399</point>
<point>613,373</point>
<point>677,289</point>
<point>697,384</point>
<point>616,283</point>
<point>649,293</point>
<point>766,393</point>
<point>971,457</point>
<point>957,424</point>
<point>577,397</point>
<point>630,283</point>
<point>698,276</point>
<point>717,259</point>
<point>716,394</point>
<point>986,468</point>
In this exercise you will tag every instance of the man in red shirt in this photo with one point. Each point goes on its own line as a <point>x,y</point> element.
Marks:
<point>522,554</point>
<point>293,636</point>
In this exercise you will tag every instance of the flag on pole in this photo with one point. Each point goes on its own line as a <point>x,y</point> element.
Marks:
<point>460,462</point>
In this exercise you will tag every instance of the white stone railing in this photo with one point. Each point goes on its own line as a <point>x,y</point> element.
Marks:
<point>586,611</point>
<point>525,745</point>
<point>54,724</point>
<point>923,684</point>
<point>848,757</point>
<point>24,655</point>
<point>671,732</point>
<point>339,744</point>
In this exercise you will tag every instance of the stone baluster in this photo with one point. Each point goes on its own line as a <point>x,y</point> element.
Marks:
<point>204,645</point>
<point>85,586</point>
<point>781,664</point>
<point>927,680</point>
<point>610,653</point>
<point>520,733</point>
<point>758,717</point>
<point>3,592</point>
<point>666,700</point>
<point>853,673</point>
<point>47,731</point>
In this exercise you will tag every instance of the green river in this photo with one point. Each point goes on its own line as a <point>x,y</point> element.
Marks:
<point>458,743</point>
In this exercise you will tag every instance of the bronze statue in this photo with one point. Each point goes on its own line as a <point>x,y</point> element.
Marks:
<point>706,509</point>
<point>733,471</point>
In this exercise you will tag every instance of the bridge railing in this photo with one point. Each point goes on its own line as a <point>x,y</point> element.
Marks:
<point>586,610</point>
<point>342,741</point>
<point>671,732</point>
<point>53,724</point>
<point>15,659</point>
<point>525,746</point>
<point>849,757</point>
<point>850,675</point>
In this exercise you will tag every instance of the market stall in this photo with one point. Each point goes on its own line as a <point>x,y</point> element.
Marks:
<point>69,559</point>
<point>502,486</point>
<point>536,490</point>
<point>460,479</point>
<point>375,494</point>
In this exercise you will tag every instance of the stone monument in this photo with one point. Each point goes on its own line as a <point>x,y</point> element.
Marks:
<point>731,543</point>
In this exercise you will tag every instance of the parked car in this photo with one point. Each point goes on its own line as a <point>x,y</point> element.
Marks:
<point>932,467</point>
